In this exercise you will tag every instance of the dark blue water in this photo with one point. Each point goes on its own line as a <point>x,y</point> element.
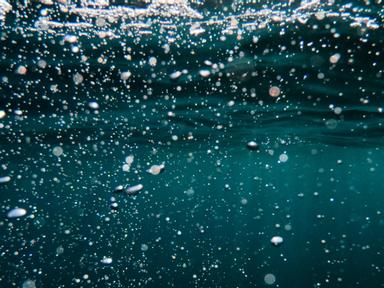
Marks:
<point>86,108</point>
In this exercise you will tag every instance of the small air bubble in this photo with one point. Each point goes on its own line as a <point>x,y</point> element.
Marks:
<point>252,145</point>
<point>334,58</point>
<point>274,91</point>
<point>21,70</point>
<point>93,105</point>
<point>16,213</point>
<point>277,240</point>
<point>106,260</point>
<point>283,157</point>
<point>57,151</point>
<point>204,73</point>
<point>125,75</point>
<point>144,247</point>
<point>78,78</point>
<point>269,279</point>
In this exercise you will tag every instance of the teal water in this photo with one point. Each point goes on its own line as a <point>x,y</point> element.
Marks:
<point>82,112</point>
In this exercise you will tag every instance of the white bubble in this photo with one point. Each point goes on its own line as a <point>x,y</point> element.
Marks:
<point>269,279</point>
<point>93,105</point>
<point>106,260</point>
<point>156,169</point>
<point>175,75</point>
<point>338,110</point>
<point>204,73</point>
<point>114,205</point>
<point>78,78</point>
<point>320,15</point>
<point>16,212</point>
<point>277,240</point>
<point>252,145</point>
<point>70,38</point>
<point>231,103</point>
<point>274,91</point>
<point>29,284</point>
<point>128,163</point>
<point>134,189</point>
<point>42,63</point>
<point>75,49</point>
<point>288,227</point>
<point>60,250</point>
<point>196,30</point>
<point>125,75</point>
<point>331,124</point>
<point>57,151</point>
<point>5,179</point>
<point>22,70</point>
<point>189,192</point>
<point>144,247</point>
<point>129,159</point>
<point>152,61</point>
<point>119,188</point>
<point>283,157</point>
<point>334,58</point>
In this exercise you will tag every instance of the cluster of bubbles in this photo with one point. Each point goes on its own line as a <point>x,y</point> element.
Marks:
<point>169,78</point>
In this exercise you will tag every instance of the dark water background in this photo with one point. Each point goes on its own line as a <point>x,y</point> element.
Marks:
<point>207,220</point>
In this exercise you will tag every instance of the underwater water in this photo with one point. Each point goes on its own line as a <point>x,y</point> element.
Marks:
<point>202,144</point>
